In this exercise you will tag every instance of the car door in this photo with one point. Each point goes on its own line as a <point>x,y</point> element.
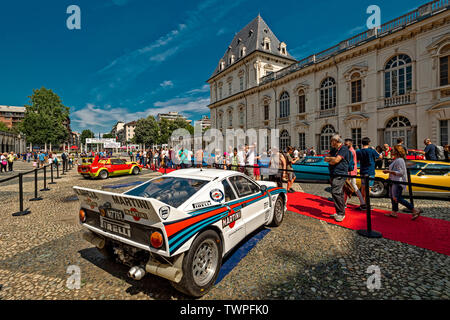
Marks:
<point>433,174</point>
<point>119,166</point>
<point>252,202</point>
<point>233,226</point>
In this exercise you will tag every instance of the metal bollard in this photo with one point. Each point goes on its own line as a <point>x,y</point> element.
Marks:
<point>51,174</point>
<point>22,212</point>
<point>369,233</point>
<point>36,197</point>
<point>63,168</point>
<point>45,180</point>
<point>57,171</point>
<point>411,198</point>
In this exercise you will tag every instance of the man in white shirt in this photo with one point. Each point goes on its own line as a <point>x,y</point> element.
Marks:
<point>250,160</point>
<point>295,153</point>
<point>241,160</point>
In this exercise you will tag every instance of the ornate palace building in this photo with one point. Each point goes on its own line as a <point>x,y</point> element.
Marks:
<point>384,83</point>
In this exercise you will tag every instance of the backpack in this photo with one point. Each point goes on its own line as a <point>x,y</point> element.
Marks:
<point>440,153</point>
<point>351,163</point>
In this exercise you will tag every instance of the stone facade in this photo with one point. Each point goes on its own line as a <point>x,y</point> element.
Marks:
<point>384,84</point>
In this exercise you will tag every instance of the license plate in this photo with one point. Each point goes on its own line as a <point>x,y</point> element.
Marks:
<point>123,229</point>
<point>115,214</point>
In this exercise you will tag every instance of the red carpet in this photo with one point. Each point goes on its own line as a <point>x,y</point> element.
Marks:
<point>428,233</point>
<point>162,170</point>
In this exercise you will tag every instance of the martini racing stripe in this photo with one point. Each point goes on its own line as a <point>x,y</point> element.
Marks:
<point>198,227</point>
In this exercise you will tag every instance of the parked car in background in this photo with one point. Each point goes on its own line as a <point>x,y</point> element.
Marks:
<point>435,173</point>
<point>414,154</point>
<point>313,169</point>
<point>106,167</point>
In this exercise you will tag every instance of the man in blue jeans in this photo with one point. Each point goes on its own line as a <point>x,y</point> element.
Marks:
<point>338,160</point>
<point>366,157</point>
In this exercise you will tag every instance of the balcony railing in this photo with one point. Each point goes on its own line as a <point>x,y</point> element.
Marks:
<point>283,120</point>
<point>327,113</point>
<point>398,100</point>
<point>420,13</point>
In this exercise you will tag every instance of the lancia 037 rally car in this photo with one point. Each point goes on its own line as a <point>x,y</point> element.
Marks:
<point>179,226</point>
<point>106,167</point>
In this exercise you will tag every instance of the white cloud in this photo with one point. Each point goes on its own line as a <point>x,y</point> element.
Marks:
<point>204,88</point>
<point>166,84</point>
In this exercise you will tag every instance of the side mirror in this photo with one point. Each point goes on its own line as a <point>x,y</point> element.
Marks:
<point>263,188</point>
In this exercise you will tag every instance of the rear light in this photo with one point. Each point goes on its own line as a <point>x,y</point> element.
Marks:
<point>156,240</point>
<point>82,216</point>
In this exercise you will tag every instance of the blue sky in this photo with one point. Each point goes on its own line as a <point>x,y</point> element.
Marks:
<point>133,58</point>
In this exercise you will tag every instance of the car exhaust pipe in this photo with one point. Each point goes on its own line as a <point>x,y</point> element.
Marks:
<point>92,238</point>
<point>165,271</point>
<point>136,273</point>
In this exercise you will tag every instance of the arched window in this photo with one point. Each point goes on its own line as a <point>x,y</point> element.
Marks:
<point>301,101</point>
<point>398,127</point>
<point>230,118</point>
<point>285,140</point>
<point>328,94</point>
<point>219,121</point>
<point>325,137</point>
<point>444,66</point>
<point>284,105</point>
<point>241,116</point>
<point>398,76</point>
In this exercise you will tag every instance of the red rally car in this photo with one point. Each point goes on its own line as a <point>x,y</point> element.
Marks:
<point>106,167</point>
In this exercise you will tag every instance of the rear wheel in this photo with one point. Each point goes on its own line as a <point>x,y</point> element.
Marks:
<point>278,212</point>
<point>379,189</point>
<point>104,174</point>
<point>201,265</point>
<point>136,170</point>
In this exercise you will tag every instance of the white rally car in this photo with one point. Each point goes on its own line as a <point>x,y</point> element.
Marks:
<point>179,226</point>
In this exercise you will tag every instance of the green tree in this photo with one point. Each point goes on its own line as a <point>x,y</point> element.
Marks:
<point>167,127</point>
<point>44,118</point>
<point>108,136</point>
<point>86,134</point>
<point>4,127</point>
<point>146,131</point>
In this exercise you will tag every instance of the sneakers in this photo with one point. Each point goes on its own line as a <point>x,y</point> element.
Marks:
<point>339,218</point>
<point>362,207</point>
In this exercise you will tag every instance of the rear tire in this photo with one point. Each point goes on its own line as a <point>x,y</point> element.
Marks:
<point>104,174</point>
<point>278,212</point>
<point>201,265</point>
<point>135,171</point>
<point>379,189</point>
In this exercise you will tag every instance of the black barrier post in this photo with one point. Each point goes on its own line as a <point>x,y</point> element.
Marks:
<point>57,171</point>
<point>51,174</point>
<point>63,167</point>
<point>45,180</point>
<point>36,197</point>
<point>22,212</point>
<point>411,198</point>
<point>369,233</point>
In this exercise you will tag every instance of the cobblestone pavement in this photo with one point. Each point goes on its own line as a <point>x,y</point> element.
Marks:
<point>302,259</point>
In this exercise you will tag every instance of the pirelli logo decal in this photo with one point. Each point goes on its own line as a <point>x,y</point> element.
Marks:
<point>202,204</point>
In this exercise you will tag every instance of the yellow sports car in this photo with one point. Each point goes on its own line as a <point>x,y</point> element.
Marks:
<point>106,167</point>
<point>436,173</point>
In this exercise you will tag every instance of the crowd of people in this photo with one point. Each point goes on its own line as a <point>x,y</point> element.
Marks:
<point>38,159</point>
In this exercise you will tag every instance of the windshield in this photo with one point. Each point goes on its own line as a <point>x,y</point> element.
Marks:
<point>170,190</point>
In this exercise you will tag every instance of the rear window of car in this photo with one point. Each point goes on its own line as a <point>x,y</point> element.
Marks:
<point>173,191</point>
<point>312,160</point>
